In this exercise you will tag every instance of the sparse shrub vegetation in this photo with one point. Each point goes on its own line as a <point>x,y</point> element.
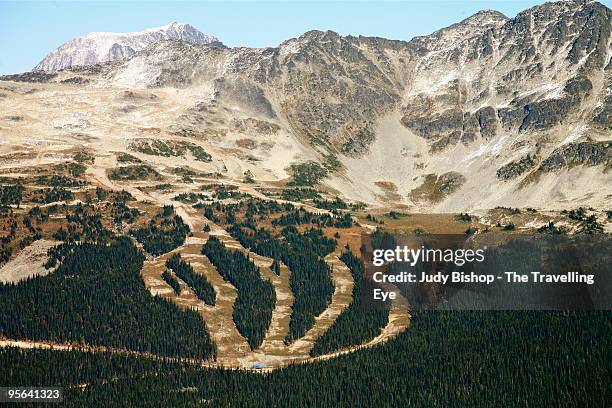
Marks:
<point>509,210</point>
<point>169,148</point>
<point>127,158</point>
<point>84,156</point>
<point>419,231</point>
<point>74,169</point>
<point>307,174</point>
<point>395,215</point>
<point>471,231</point>
<point>134,172</point>
<point>463,217</point>
<point>552,229</point>
<point>299,194</point>
<point>248,177</point>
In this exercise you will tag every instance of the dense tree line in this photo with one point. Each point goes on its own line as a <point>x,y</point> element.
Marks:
<point>57,180</point>
<point>335,204</point>
<point>299,194</point>
<point>256,209</point>
<point>475,359</point>
<point>172,282</point>
<point>8,235</point>
<point>50,195</point>
<point>358,323</point>
<point>165,232</point>
<point>256,296</point>
<point>310,280</point>
<point>200,285</point>
<point>122,213</point>
<point>84,224</point>
<point>190,197</point>
<point>11,195</point>
<point>96,296</point>
<point>275,267</point>
<point>300,216</point>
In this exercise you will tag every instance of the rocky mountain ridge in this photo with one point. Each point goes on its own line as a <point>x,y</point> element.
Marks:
<point>489,111</point>
<point>102,46</point>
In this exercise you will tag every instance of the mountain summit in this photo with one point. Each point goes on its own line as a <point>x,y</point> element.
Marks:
<point>101,46</point>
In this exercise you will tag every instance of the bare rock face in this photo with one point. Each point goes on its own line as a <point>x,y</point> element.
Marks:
<point>515,168</point>
<point>245,93</point>
<point>602,114</point>
<point>450,37</point>
<point>532,72</point>
<point>468,112</point>
<point>330,89</point>
<point>333,88</point>
<point>574,154</point>
<point>550,112</point>
<point>452,125</point>
<point>101,47</point>
<point>471,81</point>
<point>260,127</point>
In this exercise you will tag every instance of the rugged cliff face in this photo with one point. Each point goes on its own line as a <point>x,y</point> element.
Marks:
<point>489,111</point>
<point>102,47</point>
<point>329,89</point>
<point>533,72</point>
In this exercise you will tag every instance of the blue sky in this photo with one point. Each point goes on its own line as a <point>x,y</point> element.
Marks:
<point>29,30</point>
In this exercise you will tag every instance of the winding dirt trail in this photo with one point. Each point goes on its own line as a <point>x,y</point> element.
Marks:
<point>273,348</point>
<point>273,352</point>
<point>273,344</point>
<point>44,345</point>
<point>341,299</point>
<point>231,345</point>
<point>399,320</point>
<point>233,349</point>
<point>219,321</point>
<point>96,173</point>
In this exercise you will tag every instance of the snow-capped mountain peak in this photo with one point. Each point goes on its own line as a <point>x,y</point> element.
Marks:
<point>98,47</point>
